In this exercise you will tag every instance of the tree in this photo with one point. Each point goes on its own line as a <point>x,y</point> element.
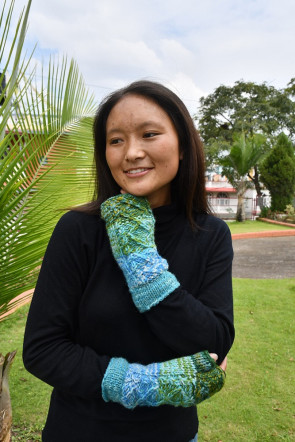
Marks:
<point>278,173</point>
<point>244,154</point>
<point>245,107</point>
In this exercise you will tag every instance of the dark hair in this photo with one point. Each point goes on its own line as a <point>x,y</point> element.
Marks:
<point>189,183</point>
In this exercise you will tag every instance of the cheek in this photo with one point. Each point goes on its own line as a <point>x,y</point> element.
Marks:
<point>171,161</point>
<point>112,160</point>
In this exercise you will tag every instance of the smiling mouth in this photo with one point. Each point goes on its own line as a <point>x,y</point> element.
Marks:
<point>137,171</point>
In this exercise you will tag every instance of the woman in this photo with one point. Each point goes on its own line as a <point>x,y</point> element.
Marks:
<point>135,287</point>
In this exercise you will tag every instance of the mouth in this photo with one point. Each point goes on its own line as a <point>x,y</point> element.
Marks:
<point>137,172</point>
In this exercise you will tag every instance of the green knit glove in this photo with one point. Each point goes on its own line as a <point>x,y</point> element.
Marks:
<point>130,225</point>
<point>182,382</point>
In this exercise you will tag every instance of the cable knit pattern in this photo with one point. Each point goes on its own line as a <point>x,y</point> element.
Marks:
<point>181,382</point>
<point>130,225</point>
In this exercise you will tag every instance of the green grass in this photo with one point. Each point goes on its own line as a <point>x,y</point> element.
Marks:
<point>29,396</point>
<point>253,226</point>
<point>258,401</point>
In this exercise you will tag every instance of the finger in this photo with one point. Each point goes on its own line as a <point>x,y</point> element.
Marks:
<point>223,364</point>
<point>214,356</point>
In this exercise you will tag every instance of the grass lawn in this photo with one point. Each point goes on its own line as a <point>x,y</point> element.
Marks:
<point>258,401</point>
<point>254,226</point>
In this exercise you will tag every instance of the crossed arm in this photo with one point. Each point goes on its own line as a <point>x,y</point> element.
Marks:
<point>51,354</point>
<point>130,226</point>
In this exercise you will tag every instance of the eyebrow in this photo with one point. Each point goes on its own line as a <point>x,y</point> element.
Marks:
<point>140,126</point>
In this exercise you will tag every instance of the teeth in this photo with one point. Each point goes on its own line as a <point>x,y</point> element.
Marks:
<point>136,170</point>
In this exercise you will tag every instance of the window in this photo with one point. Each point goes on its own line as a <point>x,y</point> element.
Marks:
<point>222,199</point>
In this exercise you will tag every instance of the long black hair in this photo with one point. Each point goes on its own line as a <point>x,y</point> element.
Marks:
<point>189,183</point>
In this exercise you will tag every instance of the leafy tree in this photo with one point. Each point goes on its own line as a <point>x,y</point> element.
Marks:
<point>244,154</point>
<point>278,173</point>
<point>245,107</point>
<point>290,89</point>
<point>290,92</point>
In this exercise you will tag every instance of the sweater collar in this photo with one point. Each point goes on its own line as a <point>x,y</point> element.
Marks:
<point>168,219</point>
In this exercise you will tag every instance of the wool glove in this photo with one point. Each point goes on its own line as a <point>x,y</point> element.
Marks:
<point>130,226</point>
<point>181,382</point>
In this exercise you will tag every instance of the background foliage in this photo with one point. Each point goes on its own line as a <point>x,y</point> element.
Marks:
<point>249,108</point>
<point>278,173</point>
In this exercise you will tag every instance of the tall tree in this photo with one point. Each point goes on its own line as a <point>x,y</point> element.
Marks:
<point>278,173</point>
<point>243,155</point>
<point>244,107</point>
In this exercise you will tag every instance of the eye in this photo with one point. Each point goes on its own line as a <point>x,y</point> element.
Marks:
<point>115,141</point>
<point>149,134</point>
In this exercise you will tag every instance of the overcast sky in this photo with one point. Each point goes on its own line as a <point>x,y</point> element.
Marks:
<point>192,46</point>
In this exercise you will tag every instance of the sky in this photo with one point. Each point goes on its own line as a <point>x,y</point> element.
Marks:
<point>191,46</point>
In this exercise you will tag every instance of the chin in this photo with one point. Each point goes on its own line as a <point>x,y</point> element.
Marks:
<point>140,194</point>
<point>137,192</point>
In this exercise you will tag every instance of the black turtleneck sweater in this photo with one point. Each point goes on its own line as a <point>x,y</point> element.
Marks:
<point>82,314</point>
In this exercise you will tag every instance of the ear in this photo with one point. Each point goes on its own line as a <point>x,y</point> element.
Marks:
<point>181,155</point>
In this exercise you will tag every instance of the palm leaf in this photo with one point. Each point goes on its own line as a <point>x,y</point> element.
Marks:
<point>46,166</point>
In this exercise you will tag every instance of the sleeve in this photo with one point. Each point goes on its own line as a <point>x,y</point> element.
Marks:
<point>188,323</point>
<point>50,350</point>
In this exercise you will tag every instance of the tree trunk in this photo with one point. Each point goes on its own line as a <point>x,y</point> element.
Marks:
<point>255,181</point>
<point>241,190</point>
<point>240,215</point>
<point>5,403</point>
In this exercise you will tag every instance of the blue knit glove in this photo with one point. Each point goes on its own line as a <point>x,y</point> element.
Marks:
<point>130,225</point>
<point>181,382</point>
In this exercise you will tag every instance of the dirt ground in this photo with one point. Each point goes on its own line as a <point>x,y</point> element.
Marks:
<point>264,257</point>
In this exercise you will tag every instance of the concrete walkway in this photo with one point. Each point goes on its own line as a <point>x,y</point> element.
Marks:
<point>264,257</point>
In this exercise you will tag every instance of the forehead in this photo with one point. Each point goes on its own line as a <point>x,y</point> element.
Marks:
<point>132,109</point>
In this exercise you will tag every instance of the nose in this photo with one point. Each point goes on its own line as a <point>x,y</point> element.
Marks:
<point>134,150</point>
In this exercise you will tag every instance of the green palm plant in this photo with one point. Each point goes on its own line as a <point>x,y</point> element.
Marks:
<point>245,153</point>
<point>45,157</point>
<point>45,166</point>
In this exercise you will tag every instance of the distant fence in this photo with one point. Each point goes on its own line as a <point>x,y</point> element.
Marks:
<point>226,208</point>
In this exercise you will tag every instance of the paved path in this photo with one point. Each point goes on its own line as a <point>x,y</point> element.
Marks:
<point>257,258</point>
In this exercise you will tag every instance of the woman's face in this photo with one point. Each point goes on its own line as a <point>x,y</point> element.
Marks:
<point>142,149</point>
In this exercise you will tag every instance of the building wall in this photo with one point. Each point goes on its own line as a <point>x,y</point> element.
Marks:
<point>223,198</point>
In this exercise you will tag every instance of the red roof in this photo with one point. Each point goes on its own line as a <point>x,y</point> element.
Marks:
<point>221,189</point>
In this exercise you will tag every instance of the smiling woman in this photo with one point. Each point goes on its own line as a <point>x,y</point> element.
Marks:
<point>135,287</point>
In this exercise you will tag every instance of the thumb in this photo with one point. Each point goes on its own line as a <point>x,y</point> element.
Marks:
<point>214,356</point>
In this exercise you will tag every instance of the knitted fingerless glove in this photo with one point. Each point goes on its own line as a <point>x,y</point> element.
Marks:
<point>130,225</point>
<point>182,382</point>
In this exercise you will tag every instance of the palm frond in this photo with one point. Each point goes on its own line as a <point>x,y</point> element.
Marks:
<point>46,166</point>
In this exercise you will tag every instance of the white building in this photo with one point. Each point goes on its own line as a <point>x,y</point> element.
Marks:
<point>223,197</point>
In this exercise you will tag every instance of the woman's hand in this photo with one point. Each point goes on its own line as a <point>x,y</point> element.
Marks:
<point>223,364</point>
<point>181,382</point>
<point>130,225</point>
